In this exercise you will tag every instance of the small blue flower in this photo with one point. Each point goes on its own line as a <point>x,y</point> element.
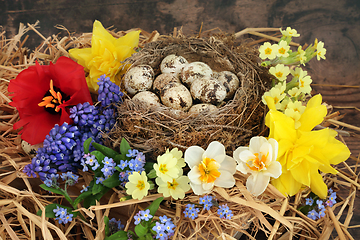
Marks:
<point>115,226</point>
<point>99,180</point>
<point>137,219</point>
<point>132,153</point>
<point>313,215</point>
<point>191,211</point>
<point>206,201</point>
<point>145,215</point>
<point>169,226</point>
<point>108,171</point>
<point>164,219</point>
<point>161,236</point>
<point>62,215</point>
<point>140,156</point>
<point>330,191</point>
<point>309,201</point>
<point>109,92</point>
<point>84,114</point>
<point>48,182</point>
<point>320,204</point>
<point>224,212</point>
<point>123,164</point>
<point>322,212</point>
<point>109,162</point>
<point>159,227</point>
<point>84,189</point>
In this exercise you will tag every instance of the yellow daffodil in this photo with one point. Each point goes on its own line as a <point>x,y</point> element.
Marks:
<point>304,82</point>
<point>105,55</point>
<point>268,51</point>
<point>277,93</point>
<point>209,168</point>
<point>137,186</point>
<point>175,188</point>
<point>280,71</point>
<point>304,151</point>
<point>320,51</point>
<point>289,32</point>
<point>283,49</point>
<point>169,165</point>
<point>259,159</point>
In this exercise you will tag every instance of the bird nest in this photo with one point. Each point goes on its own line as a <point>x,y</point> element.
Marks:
<point>155,129</point>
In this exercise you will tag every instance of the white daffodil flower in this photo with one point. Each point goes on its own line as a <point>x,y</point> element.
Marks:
<point>259,159</point>
<point>209,168</point>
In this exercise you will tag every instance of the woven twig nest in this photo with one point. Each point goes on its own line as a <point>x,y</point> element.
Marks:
<point>152,130</point>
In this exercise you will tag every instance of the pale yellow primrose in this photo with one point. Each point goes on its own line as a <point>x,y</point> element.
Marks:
<point>280,71</point>
<point>268,51</point>
<point>259,159</point>
<point>175,188</point>
<point>137,186</point>
<point>209,168</point>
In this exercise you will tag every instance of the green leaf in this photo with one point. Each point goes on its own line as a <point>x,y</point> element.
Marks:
<point>119,235</point>
<point>50,213</point>
<point>87,145</point>
<point>57,191</point>
<point>106,221</point>
<point>105,150</point>
<point>149,236</point>
<point>82,196</point>
<point>149,166</point>
<point>154,206</point>
<point>124,146</point>
<point>91,200</point>
<point>140,230</point>
<point>99,156</point>
<point>112,181</point>
<point>97,188</point>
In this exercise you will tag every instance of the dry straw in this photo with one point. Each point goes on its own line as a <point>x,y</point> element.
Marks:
<point>271,213</point>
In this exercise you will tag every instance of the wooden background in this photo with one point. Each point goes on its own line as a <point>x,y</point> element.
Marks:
<point>337,23</point>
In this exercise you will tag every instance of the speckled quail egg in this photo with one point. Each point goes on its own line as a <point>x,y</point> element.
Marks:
<point>30,149</point>
<point>173,64</point>
<point>163,80</point>
<point>202,107</point>
<point>148,98</point>
<point>230,82</point>
<point>177,97</point>
<point>208,90</point>
<point>194,71</point>
<point>138,78</point>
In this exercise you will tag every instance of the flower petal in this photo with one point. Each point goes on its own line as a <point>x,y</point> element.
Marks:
<point>256,184</point>
<point>215,151</point>
<point>226,180</point>
<point>228,164</point>
<point>194,175</point>
<point>197,189</point>
<point>193,156</point>
<point>318,186</point>
<point>236,153</point>
<point>273,170</point>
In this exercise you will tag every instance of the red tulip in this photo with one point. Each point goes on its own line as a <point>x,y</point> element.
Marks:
<point>43,94</point>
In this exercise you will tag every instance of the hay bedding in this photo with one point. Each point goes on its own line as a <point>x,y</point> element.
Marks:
<point>275,215</point>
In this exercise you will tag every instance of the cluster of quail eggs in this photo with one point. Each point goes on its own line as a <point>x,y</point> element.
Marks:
<point>181,84</point>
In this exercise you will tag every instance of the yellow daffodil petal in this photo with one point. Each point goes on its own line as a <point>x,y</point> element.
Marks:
<point>318,186</point>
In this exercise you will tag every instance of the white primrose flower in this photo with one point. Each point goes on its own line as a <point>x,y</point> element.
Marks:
<point>259,159</point>
<point>209,168</point>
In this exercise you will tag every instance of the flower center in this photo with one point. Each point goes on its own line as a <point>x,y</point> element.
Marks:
<point>268,51</point>
<point>52,99</point>
<point>257,164</point>
<point>163,169</point>
<point>140,185</point>
<point>282,50</point>
<point>279,74</point>
<point>209,170</point>
<point>172,184</point>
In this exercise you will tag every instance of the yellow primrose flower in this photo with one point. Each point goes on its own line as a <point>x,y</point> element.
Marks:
<point>277,93</point>
<point>304,83</point>
<point>289,32</point>
<point>294,92</point>
<point>175,188</point>
<point>137,186</point>
<point>268,51</point>
<point>320,51</point>
<point>294,110</point>
<point>283,49</point>
<point>303,152</point>
<point>296,73</point>
<point>280,71</point>
<point>169,165</point>
<point>209,168</point>
<point>259,159</point>
<point>301,55</point>
<point>105,55</point>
